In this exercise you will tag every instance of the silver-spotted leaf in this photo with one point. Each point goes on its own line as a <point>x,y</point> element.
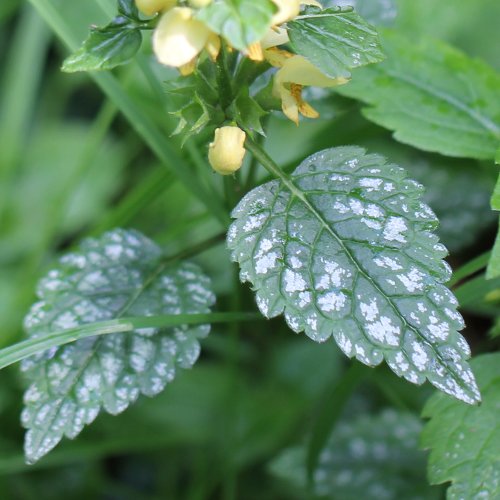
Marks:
<point>119,274</point>
<point>373,457</point>
<point>465,441</point>
<point>346,250</point>
<point>335,41</point>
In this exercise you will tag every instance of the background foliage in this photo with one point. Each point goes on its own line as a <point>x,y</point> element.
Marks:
<point>79,159</point>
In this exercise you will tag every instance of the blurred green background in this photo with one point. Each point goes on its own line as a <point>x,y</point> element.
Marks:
<point>73,165</point>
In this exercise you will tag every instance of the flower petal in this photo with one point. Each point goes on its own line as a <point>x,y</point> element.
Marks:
<point>179,38</point>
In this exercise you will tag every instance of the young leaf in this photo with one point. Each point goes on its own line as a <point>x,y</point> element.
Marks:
<point>344,248</point>
<point>247,112</point>
<point>105,48</point>
<point>370,457</point>
<point>128,8</point>
<point>465,441</point>
<point>433,96</point>
<point>118,274</point>
<point>240,22</point>
<point>335,41</point>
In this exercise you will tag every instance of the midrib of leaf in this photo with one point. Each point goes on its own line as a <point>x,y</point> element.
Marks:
<point>269,164</point>
<point>484,121</point>
<point>93,352</point>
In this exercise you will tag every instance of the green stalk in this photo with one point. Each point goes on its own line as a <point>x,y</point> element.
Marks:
<point>223,80</point>
<point>152,135</point>
<point>471,267</point>
<point>26,348</point>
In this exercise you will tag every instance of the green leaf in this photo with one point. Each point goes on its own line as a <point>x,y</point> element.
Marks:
<point>371,457</point>
<point>105,48</point>
<point>433,97</point>
<point>120,273</point>
<point>247,112</point>
<point>463,212</point>
<point>195,101</point>
<point>335,41</point>
<point>128,8</point>
<point>344,248</point>
<point>465,441</point>
<point>240,22</point>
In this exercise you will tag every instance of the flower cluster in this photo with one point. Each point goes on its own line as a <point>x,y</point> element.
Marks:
<point>179,38</point>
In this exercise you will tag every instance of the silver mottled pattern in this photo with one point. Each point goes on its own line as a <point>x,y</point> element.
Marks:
<point>374,457</point>
<point>116,275</point>
<point>357,261</point>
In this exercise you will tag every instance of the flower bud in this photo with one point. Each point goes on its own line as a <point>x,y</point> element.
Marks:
<point>151,7</point>
<point>226,153</point>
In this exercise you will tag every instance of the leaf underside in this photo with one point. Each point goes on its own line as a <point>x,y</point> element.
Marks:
<point>465,441</point>
<point>116,275</point>
<point>372,457</point>
<point>347,251</point>
<point>433,97</point>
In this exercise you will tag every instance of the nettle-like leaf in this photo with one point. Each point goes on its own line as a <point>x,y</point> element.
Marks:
<point>247,112</point>
<point>465,441</point>
<point>344,249</point>
<point>335,40</point>
<point>119,274</point>
<point>371,457</point>
<point>195,101</point>
<point>464,211</point>
<point>433,96</point>
<point>105,48</point>
<point>240,22</point>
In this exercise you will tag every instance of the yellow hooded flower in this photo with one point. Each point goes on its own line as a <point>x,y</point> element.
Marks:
<point>179,38</point>
<point>295,72</point>
<point>227,151</point>
<point>151,7</point>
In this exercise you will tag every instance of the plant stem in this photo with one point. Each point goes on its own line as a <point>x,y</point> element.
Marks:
<point>26,348</point>
<point>223,80</point>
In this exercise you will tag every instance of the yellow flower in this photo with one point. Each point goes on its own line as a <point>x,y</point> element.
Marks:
<point>295,72</point>
<point>179,38</point>
<point>151,7</point>
<point>227,151</point>
<point>288,9</point>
